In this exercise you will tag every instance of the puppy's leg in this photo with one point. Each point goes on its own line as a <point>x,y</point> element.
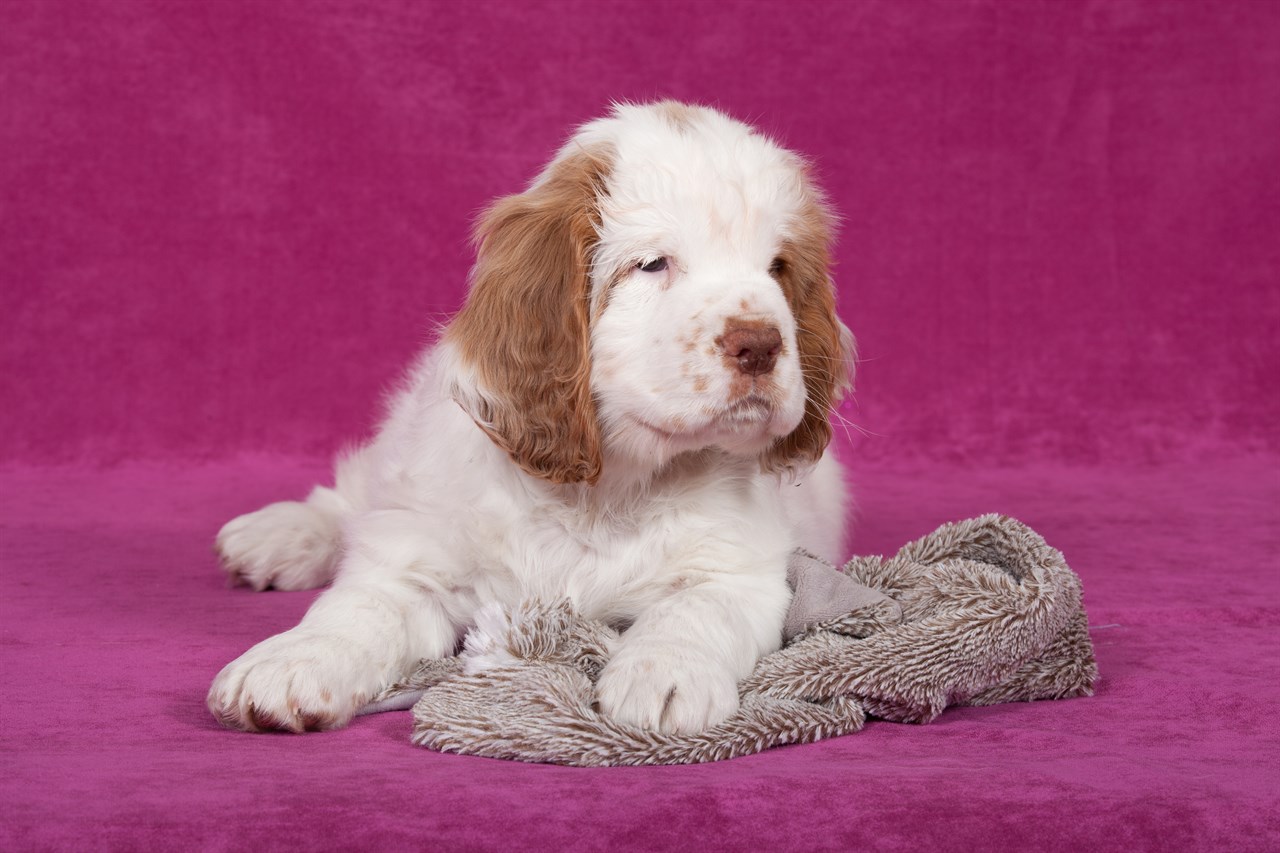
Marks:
<point>286,545</point>
<point>382,615</point>
<point>816,509</point>
<point>681,660</point>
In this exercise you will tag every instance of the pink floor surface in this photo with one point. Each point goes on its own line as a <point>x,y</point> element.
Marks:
<point>115,617</point>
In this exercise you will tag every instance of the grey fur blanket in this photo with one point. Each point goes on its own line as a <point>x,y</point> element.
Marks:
<point>977,612</point>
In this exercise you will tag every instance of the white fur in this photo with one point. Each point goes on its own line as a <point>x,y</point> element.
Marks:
<point>683,539</point>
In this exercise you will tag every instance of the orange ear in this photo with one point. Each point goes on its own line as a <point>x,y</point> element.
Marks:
<point>524,326</point>
<point>826,346</point>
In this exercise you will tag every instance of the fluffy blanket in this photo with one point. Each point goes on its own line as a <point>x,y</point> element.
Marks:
<point>978,612</point>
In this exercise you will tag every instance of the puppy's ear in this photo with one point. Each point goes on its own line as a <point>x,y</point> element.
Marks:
<point>524,327</point>
<point>826,345</point>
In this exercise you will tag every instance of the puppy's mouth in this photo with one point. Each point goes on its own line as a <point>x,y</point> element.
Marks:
<point>746,411</point>
<point>751,413</point>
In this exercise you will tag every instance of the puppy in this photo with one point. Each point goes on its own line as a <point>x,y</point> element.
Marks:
<point>629,411</point>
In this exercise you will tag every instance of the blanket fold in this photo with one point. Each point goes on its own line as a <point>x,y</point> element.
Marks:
<point>976,613</point>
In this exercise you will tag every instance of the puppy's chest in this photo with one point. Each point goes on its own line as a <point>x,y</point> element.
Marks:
<point>609,565</point>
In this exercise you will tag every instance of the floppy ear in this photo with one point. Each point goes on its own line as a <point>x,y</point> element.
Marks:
<point>524,327</point>
<point>826,345</point>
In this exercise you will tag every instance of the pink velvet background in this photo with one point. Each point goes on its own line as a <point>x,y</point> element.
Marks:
<point>225,227</point>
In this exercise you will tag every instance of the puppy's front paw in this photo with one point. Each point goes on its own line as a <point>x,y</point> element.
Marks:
<point>297,681</point>
<point>666,687</point>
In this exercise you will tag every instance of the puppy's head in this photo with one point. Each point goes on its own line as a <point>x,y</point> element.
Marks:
<point>662,287</point>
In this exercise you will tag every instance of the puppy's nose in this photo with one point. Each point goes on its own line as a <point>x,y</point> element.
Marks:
<point>753,347</point>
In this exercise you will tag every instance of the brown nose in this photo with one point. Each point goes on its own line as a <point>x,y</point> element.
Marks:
<point>753,347</point>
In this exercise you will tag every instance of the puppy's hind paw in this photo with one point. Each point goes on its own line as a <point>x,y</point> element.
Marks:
<point>287,545</point>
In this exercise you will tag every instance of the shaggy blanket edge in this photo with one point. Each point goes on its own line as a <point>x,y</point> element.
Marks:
<point>978,612</point>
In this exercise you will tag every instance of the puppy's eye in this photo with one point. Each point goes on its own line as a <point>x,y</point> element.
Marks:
<point>777,267</point>
<point>655,265</point>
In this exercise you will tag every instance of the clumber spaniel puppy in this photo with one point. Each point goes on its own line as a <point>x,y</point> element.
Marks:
<point>629,411</point>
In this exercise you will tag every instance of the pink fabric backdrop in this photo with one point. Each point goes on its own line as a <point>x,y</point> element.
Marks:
<point>226,226</point>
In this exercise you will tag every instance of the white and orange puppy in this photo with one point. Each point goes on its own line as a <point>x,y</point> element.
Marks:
<point>630,411</point>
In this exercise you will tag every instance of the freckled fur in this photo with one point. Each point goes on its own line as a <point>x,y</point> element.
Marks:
<point>571,435</point>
